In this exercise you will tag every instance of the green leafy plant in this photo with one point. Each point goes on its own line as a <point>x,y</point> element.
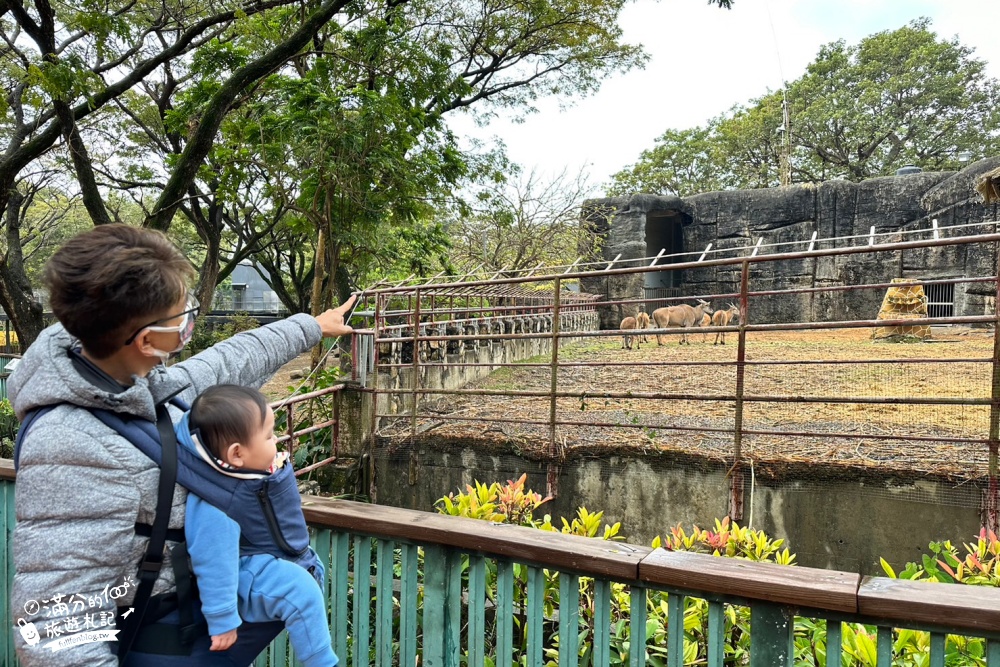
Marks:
<point>728,539</point>
<point>8,429</point>
<point>978,566</point>
<point>206,334</point>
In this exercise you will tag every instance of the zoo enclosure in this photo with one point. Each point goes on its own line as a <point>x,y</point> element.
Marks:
<point>438,325</point>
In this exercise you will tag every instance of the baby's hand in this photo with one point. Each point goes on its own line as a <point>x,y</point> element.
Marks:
<point>223,641</point>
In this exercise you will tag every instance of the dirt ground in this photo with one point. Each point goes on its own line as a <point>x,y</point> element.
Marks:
<point>954,364</point>
<point>280,385</point>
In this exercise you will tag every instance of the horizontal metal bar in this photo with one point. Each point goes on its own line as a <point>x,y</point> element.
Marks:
<point>314,466</point>
<point>658,396</point>
<point>782,362</point>
<point>854,288</point>
<point>682,331</point>
<point>829,252</point>
<point>546,308</point>
<point>298,398</point>
<point>695,429</point>
<point>306,431</point>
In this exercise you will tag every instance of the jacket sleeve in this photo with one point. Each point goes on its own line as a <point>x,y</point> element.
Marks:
<point>213,542</point>
<point>251,357</point>
<point>75,504</point>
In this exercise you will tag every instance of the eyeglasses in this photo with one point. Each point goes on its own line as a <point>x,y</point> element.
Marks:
<point>185,328</point>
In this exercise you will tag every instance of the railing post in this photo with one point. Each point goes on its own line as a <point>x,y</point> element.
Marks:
<point>772,635</point>
<point>736,472</point>
<point>552,474</point>
<point>416,363</point>
<point>335,430</point>
<point>992,502</point>
<point>442,607</point>
<point>291,430</point>
<point>372,491</point>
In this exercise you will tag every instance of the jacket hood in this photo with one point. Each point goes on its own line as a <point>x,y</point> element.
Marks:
<point>46,376</point>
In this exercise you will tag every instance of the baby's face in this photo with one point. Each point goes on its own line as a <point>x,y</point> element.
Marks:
<point>262,445</point>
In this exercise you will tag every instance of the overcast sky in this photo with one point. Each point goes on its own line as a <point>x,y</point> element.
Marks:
<point>703,61</point>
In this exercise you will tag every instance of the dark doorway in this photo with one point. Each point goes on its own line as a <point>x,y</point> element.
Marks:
<point>665,237</point>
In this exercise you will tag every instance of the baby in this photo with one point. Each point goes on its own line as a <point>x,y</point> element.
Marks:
<point>255,563</point>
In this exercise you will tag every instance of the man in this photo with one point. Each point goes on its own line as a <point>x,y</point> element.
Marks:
<point>85,496</point>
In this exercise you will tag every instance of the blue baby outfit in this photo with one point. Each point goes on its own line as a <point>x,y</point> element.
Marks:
<point>253,561</point>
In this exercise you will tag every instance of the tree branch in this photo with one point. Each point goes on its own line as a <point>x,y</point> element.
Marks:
<point>201,143</point>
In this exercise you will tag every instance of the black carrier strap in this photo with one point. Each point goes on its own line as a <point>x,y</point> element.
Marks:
<point>152,561</point>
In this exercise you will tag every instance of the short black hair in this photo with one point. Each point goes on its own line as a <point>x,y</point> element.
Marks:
<point>109,280</point>
<point>227,413</point>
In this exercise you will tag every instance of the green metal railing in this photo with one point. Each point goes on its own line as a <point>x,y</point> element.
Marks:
<point>4,373</point>
<point>403,584</point>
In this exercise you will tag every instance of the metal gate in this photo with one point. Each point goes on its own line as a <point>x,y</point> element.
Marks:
<point>940,300</point>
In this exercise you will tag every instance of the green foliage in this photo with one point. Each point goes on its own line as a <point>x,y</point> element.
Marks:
<point>8,429</point>
<point>317,445</point>
<point>978,566</point>
<point>508,503</point>
<point>682,163</point>
<point>901,97</point>
<point>728,539</point>
<point>206,335</point>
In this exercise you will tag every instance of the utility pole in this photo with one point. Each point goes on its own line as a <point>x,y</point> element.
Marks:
<point>785,137</point>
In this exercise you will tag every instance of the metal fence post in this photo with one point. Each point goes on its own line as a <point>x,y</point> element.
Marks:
<point>552,474</point>
<point>736,472</point>
<point>772,641</point>
<point>992,502</point>
<point>416,362</point>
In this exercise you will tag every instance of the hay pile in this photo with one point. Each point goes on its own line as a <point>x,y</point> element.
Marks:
<point>989,186</point>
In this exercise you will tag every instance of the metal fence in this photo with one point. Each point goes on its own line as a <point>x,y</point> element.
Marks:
<point>791,390</point>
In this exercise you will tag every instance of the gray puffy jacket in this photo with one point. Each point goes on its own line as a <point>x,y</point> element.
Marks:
<point>81,487</point>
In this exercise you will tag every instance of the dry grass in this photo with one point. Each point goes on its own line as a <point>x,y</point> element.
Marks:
<point>659,424</point>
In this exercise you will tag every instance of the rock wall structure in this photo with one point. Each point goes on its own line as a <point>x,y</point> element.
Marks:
<point>640,225</point>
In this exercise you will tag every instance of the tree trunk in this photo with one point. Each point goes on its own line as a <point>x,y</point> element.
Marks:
<point>16,296</point>
<point>319,273</point>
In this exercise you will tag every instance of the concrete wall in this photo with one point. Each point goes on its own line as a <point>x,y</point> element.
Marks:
<point>737,218</point>
<point>837,523</point>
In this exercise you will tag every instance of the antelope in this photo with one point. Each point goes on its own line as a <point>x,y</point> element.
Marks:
<point>642,322</point>
<point>628,323</point>
<point>721,318</point>
<point>682,315</point>
<point>706,321</point>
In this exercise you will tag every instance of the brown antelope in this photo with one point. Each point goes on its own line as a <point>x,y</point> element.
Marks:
<point>706,321</point>
<point>628,323</point>
<point>682,315</point>
<point>642,322</point>
<point>722,318</point>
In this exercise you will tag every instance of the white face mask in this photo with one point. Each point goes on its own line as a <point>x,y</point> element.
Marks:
<point>185,329</point>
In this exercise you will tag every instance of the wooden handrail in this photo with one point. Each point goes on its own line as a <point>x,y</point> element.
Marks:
<point>584,555</point>
<point>973,608</point>
<point>7,470</point>
<point>829,590</point>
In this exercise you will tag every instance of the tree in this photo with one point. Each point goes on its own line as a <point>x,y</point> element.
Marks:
<point>683,162</point>
<point>522,223</point>
<point>175,71</point>
<point>897,98</point>
<point>62,66</point>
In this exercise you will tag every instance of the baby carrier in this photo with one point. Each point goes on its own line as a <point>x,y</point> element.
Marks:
<point>282,534</point>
